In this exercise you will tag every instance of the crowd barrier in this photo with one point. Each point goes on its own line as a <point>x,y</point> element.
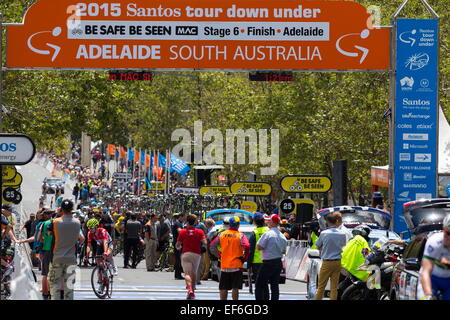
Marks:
<point>296,259</point>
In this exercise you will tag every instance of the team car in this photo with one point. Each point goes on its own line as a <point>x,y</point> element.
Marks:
<point>51,185</point>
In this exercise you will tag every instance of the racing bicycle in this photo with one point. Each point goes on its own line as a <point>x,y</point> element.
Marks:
<point>102,278</point>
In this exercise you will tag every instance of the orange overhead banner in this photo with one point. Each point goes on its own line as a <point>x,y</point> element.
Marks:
<point>198,35</point>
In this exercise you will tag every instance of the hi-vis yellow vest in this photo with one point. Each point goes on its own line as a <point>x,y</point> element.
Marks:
<point>258,234</point>
<point>352,257</point>
<point>314,238</point>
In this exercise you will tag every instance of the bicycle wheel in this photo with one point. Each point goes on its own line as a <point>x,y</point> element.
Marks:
<point>100,282</point>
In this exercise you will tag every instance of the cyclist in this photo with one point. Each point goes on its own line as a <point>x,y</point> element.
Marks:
<point>435,271</point>
<point>101,240</point>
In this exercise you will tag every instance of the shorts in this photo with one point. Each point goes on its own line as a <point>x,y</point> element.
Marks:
<point>230,280</point>
<point>442,286</point>
<point>190,262</point>
<point>100,249</point>
<point>46,260</point>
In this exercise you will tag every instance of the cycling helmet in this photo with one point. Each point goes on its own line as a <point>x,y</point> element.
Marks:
<point>92,223</point>
<point>226,221</point>
<point>362,230</point>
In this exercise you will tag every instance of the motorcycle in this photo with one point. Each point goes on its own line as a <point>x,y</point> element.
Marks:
<point>380,262</point>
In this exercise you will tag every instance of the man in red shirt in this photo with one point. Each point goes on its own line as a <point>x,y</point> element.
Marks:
<point>191,240</point>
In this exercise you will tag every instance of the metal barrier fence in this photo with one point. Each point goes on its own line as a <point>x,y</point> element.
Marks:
<point>296,259</point>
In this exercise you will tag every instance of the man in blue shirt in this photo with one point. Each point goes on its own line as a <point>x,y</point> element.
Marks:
<point>330,244</point>
<point>272,245</point>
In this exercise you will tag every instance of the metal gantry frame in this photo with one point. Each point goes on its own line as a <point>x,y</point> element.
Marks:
<point>392,80</point>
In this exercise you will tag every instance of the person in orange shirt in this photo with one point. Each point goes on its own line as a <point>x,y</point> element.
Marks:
<point>235,250</point>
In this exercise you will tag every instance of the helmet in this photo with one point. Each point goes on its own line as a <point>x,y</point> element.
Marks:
<point>226,220</point>
<point>363,230</point>
<point>92,223</point>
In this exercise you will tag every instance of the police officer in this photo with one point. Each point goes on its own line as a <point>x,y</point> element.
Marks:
<point>255,260</point>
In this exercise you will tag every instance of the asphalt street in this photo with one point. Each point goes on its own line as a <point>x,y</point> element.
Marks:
<point>134,284</point>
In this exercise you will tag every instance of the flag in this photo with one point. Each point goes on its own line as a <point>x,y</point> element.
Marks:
<point>123,153</point>
<point>136,155</point>
<point>130,154</point>
<point>143,155</point>
<point>117,152</point>
<point>147,160</point>
<point>149,185</point>
<point>178,165</point>
<point>111,148</point>
<point>161,160</point>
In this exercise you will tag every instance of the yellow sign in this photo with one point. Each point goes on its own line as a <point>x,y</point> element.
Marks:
<point>16,181</point>
<point>306,183</point>
<point>8,173</point>
<point>251,188</point>
<point>250,206</point>
<point>214,191</point>
<point>157,187</point>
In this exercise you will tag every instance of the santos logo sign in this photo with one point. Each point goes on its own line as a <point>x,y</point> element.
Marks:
<point>16,149</point>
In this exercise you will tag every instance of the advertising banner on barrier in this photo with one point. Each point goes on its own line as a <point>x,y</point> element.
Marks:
<point>198,34</point>
<point>416,113</point>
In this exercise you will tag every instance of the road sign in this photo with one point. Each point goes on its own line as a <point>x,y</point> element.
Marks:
<point>314,183</point>
<point>12,195</point>
<point>416,113</point>
<point>215,191</point>
<point>122,175</point>
<point>16,149</point>
<point>157,187</point>
<point>8,173</point>
<point>219,35</point>
<point>287,206</point>
<point>15,182</point>
<point>250,188</point>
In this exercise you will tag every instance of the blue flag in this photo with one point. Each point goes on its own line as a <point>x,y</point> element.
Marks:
<point>143,157</point>
<point>149,185</point>
<point>178,165</point>
<point>161,160</point>
<point>130,154</point>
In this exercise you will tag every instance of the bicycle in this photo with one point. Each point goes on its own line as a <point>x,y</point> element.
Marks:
<point>166,260</point>
<point>84,261</point>
<point>118,246</point>
<point>6,272</point>
<point>102,278</point>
